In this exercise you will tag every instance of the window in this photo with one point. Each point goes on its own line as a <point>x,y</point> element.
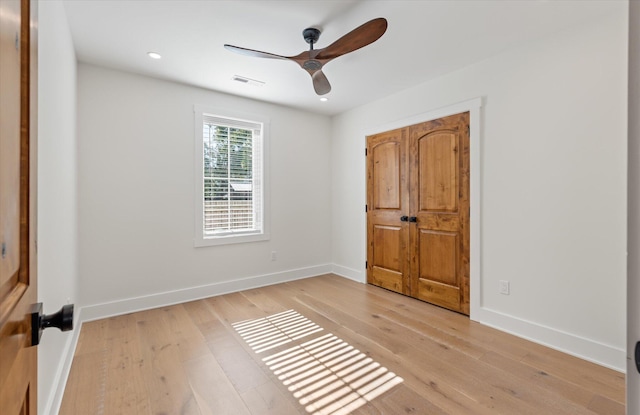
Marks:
<point>231,176</point>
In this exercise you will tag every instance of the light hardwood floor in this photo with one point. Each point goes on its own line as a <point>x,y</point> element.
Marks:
<point>323,345</point>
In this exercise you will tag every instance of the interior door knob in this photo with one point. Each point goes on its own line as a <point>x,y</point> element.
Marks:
<point>404,218</point>
<point>637,353</point>
<point>413,219</point>
<point>63,320</point>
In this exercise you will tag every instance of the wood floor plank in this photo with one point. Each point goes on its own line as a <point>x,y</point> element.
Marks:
<point>95,337</point>
<point>529,374</point>
<point>185,334</point>
<point>162,370</point>
<point>324,345</point>
<point>262,301</point>
<point>212,389</point>
<point>125,392</point>
<point>199,312</point>
<point>404,400</point>
<point>605,406</point>
<point>269,399</point>
<point>597,379</point>
<point>85,389</point>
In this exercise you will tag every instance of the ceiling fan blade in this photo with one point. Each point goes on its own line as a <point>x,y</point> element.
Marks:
<point>254,53</point>
<point>355,39</point>
<point>320,83</point>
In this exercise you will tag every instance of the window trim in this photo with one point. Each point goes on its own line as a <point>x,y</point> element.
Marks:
<point>200,239</point>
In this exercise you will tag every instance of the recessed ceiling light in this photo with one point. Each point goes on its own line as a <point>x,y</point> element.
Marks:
<point>324,99</point>
<point>154,55</point>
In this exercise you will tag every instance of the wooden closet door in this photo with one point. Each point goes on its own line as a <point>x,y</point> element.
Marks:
<point>388,210</point>
<point>439,187</point>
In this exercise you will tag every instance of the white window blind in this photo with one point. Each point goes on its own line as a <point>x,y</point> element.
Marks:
<point>232,177</point>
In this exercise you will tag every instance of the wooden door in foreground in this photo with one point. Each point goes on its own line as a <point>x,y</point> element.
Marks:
<point>18,74</point>
<point>418,211</point>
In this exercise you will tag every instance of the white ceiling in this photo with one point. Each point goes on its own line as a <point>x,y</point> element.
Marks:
<point>424,39</point>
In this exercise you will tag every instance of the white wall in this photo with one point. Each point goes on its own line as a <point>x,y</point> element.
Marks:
<point>57,195</point>
<point>633,283</point>
<point>553,184</point>
<point>136,195</point>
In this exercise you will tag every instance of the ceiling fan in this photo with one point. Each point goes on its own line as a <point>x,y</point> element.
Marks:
<point>313,60</point>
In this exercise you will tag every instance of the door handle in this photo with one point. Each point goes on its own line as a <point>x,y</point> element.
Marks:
<point>638,356</point>
<point>63,320</point>
<point>413,219</point>
<point>404,218</point>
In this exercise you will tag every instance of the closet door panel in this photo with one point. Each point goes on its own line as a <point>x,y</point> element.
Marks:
<point>439,254</point>
<point>387,257</point>
<point>438,172</point>
<point>387,204</point>
<point>439,189</point>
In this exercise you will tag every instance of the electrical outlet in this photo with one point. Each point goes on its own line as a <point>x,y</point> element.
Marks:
<point>274,255</point>
<point>503,287</point>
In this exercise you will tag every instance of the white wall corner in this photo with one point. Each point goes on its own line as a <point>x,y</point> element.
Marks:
<point>350,273</point>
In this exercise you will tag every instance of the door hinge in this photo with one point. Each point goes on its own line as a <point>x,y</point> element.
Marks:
<point>365,152</point>
<point>366,264</point>
<point>366,208</point>
<point>468,130</point>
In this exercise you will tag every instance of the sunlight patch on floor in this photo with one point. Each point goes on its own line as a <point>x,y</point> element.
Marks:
<point>273,331</point>
<point>327,375</point>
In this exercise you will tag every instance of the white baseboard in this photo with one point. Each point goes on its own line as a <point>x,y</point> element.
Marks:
<point>350,273</point>
<point>62,374</point>
<point>587,349</point>
<point>130,305</point>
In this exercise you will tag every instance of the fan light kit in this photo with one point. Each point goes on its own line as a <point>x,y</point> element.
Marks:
<point>313,60</point>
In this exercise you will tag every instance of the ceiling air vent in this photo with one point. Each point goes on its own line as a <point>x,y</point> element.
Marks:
<point>247,81</point>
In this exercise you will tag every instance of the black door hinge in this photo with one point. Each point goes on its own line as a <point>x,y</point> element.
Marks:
<point>365,152</point>
<point>366,208</point>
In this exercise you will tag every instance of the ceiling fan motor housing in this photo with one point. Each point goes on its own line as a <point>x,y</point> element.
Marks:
<point>311,35</point>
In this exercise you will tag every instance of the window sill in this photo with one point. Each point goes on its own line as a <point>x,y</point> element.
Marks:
<point>230,239</point>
